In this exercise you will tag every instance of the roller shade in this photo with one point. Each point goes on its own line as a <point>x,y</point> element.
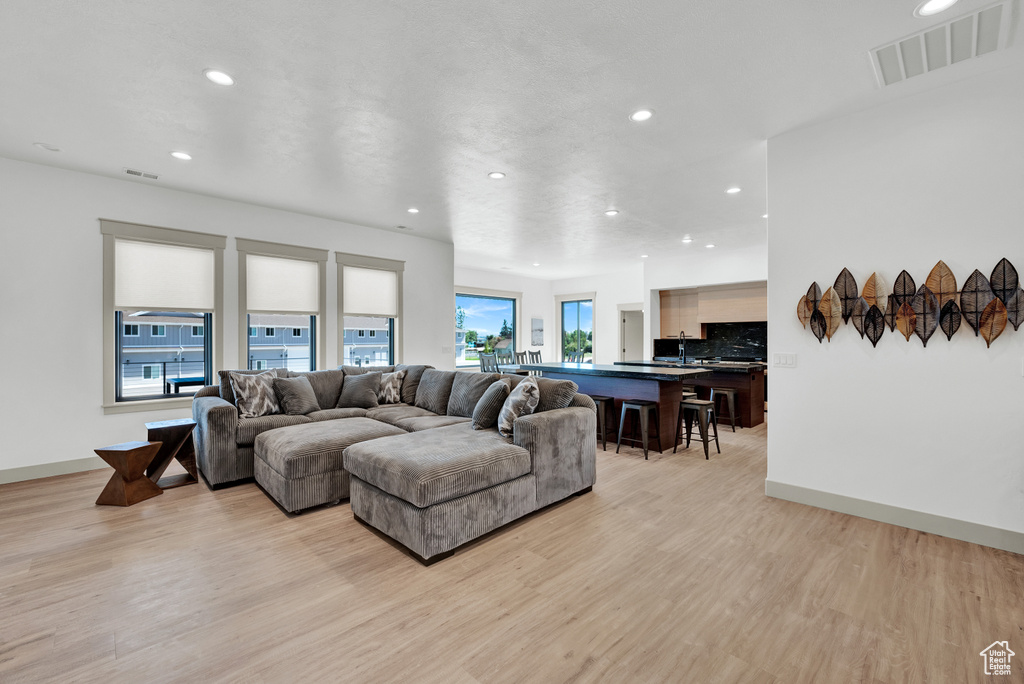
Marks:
<point>162,277</point>
<point>279,285</point>
<point>370,292</point>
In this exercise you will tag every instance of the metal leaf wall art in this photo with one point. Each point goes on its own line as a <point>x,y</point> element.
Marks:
<point>818,325</point>
<point>874,325</point>
<point>904,289</point>
<point>874,292</point>
<point>890,312</point>
<point>831,308</point>
<point>975,296</point>
<point>906,320</point>
<point>1015,309</point>
<point>1004,281</point>
<point>942,283</point>
<point>803,314</point>
<point>846,287</point>
<point>860,310</point>
<point>926,314</point>
<point>993,321</point>
<point>949,319</point>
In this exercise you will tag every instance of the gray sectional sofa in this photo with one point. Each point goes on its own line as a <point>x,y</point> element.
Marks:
<point>416,470</point>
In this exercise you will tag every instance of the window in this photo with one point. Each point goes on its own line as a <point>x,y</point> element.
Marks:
<point>252,331</point>
<point>577,316</point>
<point>168,281</point>
<point>197,331</point>
<point>282,288</point>
<point>484,323</point>
<point>370,297</point>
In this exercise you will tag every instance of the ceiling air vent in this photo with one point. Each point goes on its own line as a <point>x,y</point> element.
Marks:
<point>140,174</point>
<point>955,41</point>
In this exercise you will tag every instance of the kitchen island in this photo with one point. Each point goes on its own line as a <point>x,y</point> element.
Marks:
<point>662,384</point>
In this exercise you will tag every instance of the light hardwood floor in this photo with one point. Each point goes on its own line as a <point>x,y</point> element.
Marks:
<point>676,569</point>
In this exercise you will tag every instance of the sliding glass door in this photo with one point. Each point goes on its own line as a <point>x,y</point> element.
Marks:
<point>578,328</point>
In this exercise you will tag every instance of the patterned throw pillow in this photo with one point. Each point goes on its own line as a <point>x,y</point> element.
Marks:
<point>254,394</point>
<point>521,402</point>
<point>295,395</point>
<point>390,391</point>
<point>485,415</point>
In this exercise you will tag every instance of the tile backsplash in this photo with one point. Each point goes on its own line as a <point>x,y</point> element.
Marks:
<point>726,340</point>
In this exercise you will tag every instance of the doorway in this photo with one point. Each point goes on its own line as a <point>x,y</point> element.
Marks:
<point>631,335</point>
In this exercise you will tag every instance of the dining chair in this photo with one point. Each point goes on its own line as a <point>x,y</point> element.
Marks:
<point>521,357</point>
<point>535,356</point>
<point>489,363</point>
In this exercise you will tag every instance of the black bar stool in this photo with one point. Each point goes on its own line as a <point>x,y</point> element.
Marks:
<point>704,411</point>
<point>730,399</point>
<point>643,408</point>
<point>603,404</point>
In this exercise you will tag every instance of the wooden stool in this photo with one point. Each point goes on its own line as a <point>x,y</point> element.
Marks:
<point>643,407</point>
<point>603,404</point>
<point>129,484</point>
<point>176,436</point>
<point>704,411</point>
<point>730,398</point>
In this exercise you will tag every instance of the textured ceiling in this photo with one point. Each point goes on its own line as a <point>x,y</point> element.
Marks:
<point>359,110</point>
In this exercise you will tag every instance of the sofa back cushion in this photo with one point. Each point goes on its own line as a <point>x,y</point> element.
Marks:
<point>326,385</point>
<point>411,381</point>
<point>295,395</point>
<point>485,415</point>
<point>363,370</point>
<point>555,394</point>
<point>254,393</point>
<point>434,390</point>
<point>522,401</point>
<point>467,388</point>
<point>359,391</point>
<point>228,394</point>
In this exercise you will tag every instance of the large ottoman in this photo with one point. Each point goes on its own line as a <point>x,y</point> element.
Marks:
<point>301,466</point>
<point>437,489</point>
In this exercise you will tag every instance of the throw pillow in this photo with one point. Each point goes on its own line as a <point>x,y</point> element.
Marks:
<point>434,390</point>
<point>254,394</point>
<point>326,384</point>
<point>411,382</point>
<point>295,395</point>
<point>359,391</point>
<point>227,394</point>
<point>485,415</point>
<point>390,390</point>
<point>521,402</point>
<point>555,394</point>
<point>467,388</point>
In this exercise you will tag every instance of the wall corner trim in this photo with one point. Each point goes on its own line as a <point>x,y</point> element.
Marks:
<point>36,472</point>
<point>995,537</point>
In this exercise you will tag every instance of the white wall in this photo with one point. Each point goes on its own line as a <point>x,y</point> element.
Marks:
<point>536,303</point>
<point>51,289</point>
<point>612,289</point>
<point>940,430</point>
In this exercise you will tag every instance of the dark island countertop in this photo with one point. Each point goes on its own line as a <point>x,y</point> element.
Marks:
<point>713,366</point>
<point>639,372</point>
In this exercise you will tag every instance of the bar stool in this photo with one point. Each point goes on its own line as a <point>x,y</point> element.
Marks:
<point>730,398</point>
<point>603,404</point>
<point>643,407</point>
<point>704,411</point>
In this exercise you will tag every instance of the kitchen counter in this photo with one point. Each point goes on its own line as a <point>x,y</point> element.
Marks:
<point>716,366</point>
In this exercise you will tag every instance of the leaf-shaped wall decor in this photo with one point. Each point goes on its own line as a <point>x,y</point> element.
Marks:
<point>891,307</point>
<point>802,313</point>
<point>818,325</point>
<point>813,296</point>
<point>846,287</point>
<point>874,291</point>
<point>949,319</point>
<point>904,289</point>
<point>993,321</point>
<point>874,325</point>
<point>860,310</point>
<point>832,309</point>
<point>906,320</point>
<point>942,283</point>
<point>1015,309</point>
<point>975,296</point>
<point>1004,281</point>
<point>926,313</point>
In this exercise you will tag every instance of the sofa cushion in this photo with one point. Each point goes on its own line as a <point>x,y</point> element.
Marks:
<point>227,394</point>
<point>434,390</point>
<point>521,401</point>
<point>433,466</point>
<point>249,428</point>
<point>390,390</point>
<point>392,413</point>
<point>411,381</point>
<point>362,370</point>
<point>326,385</point>
<point>467,388</point>
<point>335,413</point>
<point>485,415</point>
<point>254,394</point>
<point>429,422</point>
<point>359,391</point>
<point>304,450</point>
<point>295,395</point>
<point>555,394</point>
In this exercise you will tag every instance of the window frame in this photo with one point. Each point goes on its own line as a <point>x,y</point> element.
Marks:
<point>125,333</point>
<point>577,297</point>
<point>198,331</point>
<point>396,348</point>
<point>111,230</point>
<point>517,315</point>
<point>153,331</point>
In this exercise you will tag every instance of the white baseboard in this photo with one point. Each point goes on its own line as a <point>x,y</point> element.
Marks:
<point>35,472</point>
<point>995,537</point>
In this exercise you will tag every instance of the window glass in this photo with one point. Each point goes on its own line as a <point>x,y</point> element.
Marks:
<point>295,352</point>
<point>158,331</point>
<point>197,331</point>
<point>131,330</point>
<point>483,324</point>
<point>375,350</point>
<point>168,362</point>
<point>578,328</point>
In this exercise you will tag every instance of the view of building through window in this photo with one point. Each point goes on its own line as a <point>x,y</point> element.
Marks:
<point>161,353</point>
<point>578,328</point>
<point>483,324</point>
<point>275,345</point>
<point>369,341</point>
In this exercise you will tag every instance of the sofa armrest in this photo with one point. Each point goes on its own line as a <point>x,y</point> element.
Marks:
<point>208,391</point>
<point>214,438</point>
<point>563,449</point>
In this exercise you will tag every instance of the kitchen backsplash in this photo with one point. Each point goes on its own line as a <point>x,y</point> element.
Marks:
<point>727,340</point>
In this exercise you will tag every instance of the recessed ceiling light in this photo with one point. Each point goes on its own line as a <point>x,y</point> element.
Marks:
<point>496,175</point>
<point>536,264</point>
<point>641,115</point>
<point>687,240</point>
<point>710,246</point>
<point>183,156</point>
<point>931,7</point>
<point>413,210</point>
<point>218,77</point>
<point>403,227</point>
<point>765,216</point>
<point>47,146</point>
<point>644,256</point>
<point>612,212</point>
<point>733,190</point>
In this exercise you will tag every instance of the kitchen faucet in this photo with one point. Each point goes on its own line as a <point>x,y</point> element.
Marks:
<point>682,346</point>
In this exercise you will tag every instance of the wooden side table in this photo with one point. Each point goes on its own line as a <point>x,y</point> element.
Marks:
<point>129,484</point>
<point>176,436</point>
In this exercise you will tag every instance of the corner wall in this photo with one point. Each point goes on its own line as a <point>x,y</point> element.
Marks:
<point>930,438</point>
